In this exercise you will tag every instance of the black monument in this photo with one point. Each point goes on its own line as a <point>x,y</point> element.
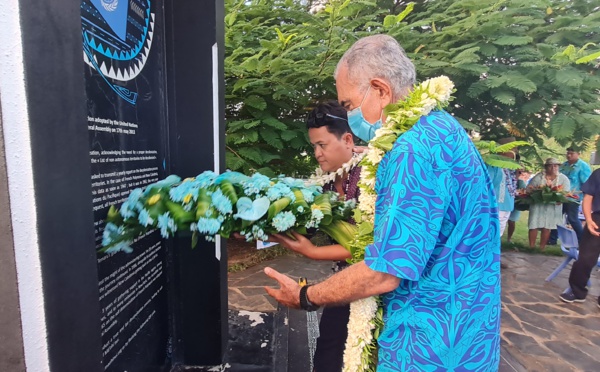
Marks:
<point>121,93</point>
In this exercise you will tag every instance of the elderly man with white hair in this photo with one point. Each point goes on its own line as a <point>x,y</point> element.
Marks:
<point>435,258</point>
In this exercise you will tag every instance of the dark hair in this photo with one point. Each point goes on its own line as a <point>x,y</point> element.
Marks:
<point>570,149</point>
<point>331,115</point>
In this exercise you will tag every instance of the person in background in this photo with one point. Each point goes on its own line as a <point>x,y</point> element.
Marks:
<point>505,186</point>
<point>589,245</point>
<point>515,215</point>
<point>542,216</point>
<point>577,171</point>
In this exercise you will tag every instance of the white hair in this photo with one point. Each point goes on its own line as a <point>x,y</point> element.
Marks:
<point>378,56</point>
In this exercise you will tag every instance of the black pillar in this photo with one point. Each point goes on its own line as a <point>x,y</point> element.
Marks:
<point>195,49</point>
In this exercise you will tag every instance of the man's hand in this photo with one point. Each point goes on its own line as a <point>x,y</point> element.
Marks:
<point>592,227</point>
<point>288,293</point>
<point>299,244</point>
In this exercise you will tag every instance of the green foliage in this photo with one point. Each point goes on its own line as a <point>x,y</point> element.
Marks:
<point>530,69</point>
<point>279,62</point>
<point>524,68</point>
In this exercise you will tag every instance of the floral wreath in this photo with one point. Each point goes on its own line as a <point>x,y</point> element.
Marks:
<point>366,315</point>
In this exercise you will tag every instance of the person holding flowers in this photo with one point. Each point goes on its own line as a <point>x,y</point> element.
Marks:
<point>545,216</point>
<point>427,226</point>
<point>333,143</point>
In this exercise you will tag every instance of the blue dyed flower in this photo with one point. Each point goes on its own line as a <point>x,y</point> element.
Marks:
<point>221,202</point>
<point>127,210</point>
<point>280,190</point>
<point>144,218</point>
<point>120,247</point>
<point>283,221</point>
<point>185,192</point>
<point>134,196</point>
<point>205,179</point>
<point>209,226</point>
<point>166,224</point>
<point>292,182</point>
<point>167,182</point>
<point>307,195</point>
<point>300,209</point>
<point>233,177</point>
<point>113,233</point>
<point>315,218</point>
<point>256,184</point>
<point>251,210</point>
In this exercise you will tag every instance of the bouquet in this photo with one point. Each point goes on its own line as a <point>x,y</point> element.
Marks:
<point>543,195</point>
<point>210,204</point>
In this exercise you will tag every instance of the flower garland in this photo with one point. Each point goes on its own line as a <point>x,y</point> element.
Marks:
<point>321,178</point>
<point>366,316</point>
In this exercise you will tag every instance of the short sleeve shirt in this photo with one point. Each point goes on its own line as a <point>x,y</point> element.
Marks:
<point>437,229</point>
<point>577,173</point>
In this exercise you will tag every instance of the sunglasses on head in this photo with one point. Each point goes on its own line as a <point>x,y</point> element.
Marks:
<point>321,118</point>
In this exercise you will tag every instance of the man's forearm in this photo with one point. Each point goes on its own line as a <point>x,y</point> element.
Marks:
<point>356,282</point>
<point>587,207</point>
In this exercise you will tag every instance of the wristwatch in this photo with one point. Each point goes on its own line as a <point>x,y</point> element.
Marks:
<point>305,304</point>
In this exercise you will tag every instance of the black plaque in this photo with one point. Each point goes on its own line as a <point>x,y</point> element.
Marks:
<point>124,59</point>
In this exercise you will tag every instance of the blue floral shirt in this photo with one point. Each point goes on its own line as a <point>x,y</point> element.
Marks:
<point>577,173</point>
<point>437,229</point>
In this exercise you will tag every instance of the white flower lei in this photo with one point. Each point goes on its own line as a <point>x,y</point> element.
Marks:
<point>321,178</point>
<point>366,315</point>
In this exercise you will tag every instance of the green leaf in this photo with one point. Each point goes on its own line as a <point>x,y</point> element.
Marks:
<point>589,58</point>
<point>256,102</point>
<point>569,77</point>
<point>503,96</point>
<point>533,106</point>
<point>520,82</point>
<point>274,123</point>
<point>513,40</point>
<point>430,62</point>
<point>495,81</point>
<point>467,124</point>
<point>562,126</point>
<point>500,161</point>
<point>477,88</point>
<point>252,154</point>
<point>509,146</point>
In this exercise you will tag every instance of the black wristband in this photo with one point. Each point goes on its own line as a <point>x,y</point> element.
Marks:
<point>305,304</point>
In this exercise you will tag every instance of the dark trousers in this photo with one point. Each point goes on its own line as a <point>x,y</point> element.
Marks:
<point>333,329</point>
<point>572,212</point>
<point>589,250</point>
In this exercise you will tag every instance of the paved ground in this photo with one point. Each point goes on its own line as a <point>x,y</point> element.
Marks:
<point>539,333</point>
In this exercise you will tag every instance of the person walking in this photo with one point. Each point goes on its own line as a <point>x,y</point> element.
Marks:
<point>589,245</point>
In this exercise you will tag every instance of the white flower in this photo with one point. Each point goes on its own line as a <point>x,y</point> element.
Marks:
<point>360,327</point>
<point>440,88</point>
<point>375,155</point>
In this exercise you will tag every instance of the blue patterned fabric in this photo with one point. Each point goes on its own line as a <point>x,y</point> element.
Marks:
<point>503,181</point>
<point>436,228</point>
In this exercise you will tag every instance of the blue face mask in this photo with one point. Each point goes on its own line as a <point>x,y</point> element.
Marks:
<point>359,125</point>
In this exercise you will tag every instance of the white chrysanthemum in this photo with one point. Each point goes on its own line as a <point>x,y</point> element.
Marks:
<point>360,327</point>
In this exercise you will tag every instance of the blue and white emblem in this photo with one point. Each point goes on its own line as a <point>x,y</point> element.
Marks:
<point>117,38</point>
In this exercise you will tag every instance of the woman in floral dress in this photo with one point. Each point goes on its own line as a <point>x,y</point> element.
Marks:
<point>542,216</point>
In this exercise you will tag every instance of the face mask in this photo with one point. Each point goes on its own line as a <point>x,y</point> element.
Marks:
<point>359,125</point>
